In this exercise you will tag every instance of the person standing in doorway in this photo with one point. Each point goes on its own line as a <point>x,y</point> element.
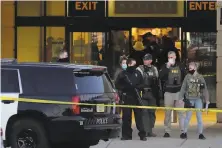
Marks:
<point>172,74</point>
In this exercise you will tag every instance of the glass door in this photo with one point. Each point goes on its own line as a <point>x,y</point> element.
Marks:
<point>118,45</point>
<point>201,48</point>
<point>87,47</point>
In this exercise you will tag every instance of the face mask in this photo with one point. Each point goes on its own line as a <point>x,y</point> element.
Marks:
<point>124,66</point>
<point>171,61</point>
<point>191,71</point>
<point>131,68</point>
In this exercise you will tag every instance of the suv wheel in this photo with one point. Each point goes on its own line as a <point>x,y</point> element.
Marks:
<point>28,133</point>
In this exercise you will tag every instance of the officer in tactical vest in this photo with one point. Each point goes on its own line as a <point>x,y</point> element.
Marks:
<point>128,81</point>
<point>150,79</point>
<point>172,74</point>
<point>195,90</point>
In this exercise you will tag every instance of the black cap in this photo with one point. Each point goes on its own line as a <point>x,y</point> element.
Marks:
<point>148,57</point>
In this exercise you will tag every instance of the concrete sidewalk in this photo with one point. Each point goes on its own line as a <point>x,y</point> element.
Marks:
<point>213,133</point>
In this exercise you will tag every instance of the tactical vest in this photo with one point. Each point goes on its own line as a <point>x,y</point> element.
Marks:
<point>149,75</point>
<point>194,86</point>
<point>174,77</point>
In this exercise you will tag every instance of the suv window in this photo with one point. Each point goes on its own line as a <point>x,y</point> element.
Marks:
<point>47,81</point>
<point>92,83</point>
<point>9,81</point>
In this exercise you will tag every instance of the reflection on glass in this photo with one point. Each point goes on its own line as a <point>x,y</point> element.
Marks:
<point>7,29</point>
<point>120,40</point>
<point>201,48</point>
<point>55,8</point>
<point>30,8</point>
<point>55,43</point>
<point>88,47</point>
<point>30,44</point>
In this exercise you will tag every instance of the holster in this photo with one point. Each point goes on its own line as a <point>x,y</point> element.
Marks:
<point>187,103</point>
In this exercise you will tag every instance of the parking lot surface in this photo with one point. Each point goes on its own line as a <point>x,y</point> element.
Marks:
<point>213,133</point>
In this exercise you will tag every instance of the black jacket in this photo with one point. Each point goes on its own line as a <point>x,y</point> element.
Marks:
<point>124,85</point>
<point>163,75</point>
<point>138,56</point>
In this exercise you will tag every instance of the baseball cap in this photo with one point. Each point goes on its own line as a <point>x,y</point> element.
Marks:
<point>148,57</point>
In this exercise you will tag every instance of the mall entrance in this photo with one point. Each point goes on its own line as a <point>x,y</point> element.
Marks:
<point>101,46</point>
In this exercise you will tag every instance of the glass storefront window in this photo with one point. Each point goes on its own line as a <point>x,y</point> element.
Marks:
<point>87,47</point>
<point>30,8</point>
<point>55,8</point>
<point>7,14</point>
<point>55,43</point>
<point>30,44</point>
<point>7,42</point>
<point>201,48</point>
<point>7,29</point>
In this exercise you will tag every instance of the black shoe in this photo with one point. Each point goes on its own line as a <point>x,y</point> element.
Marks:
<point>201,136</point>
<point>166,135</point>
<point>143,138</point>
<point>183,136</point>
<point>125,138</point>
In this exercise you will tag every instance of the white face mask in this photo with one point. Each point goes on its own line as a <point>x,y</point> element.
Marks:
<point>171,61</point>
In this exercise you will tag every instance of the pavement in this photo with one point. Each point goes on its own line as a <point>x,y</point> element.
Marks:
<point>212,131</point>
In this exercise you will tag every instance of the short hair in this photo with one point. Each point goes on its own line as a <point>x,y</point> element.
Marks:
<point>130,61</point>
<point>122,58</point>
<point>194,64</point>
<point>171,52</point>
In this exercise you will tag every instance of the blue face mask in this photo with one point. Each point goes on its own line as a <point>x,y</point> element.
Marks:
<point>124,66</point>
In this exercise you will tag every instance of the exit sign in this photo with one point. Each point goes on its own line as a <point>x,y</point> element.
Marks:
<point>87,8</point>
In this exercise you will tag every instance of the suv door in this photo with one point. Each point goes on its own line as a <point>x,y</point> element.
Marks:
<point>11,88</point>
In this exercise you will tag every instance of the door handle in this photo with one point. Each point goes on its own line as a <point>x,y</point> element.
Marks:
<point>7,101</point>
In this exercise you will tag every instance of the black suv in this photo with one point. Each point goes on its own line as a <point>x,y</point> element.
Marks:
<point>42,125</point>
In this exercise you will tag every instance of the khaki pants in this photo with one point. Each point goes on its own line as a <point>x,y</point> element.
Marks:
<point>171,100</point>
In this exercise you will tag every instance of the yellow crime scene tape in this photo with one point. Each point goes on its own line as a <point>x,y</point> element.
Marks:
<point>28,100</point>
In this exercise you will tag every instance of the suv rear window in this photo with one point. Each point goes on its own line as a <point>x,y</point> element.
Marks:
<point>92,83</point>
<point>9,81</point>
